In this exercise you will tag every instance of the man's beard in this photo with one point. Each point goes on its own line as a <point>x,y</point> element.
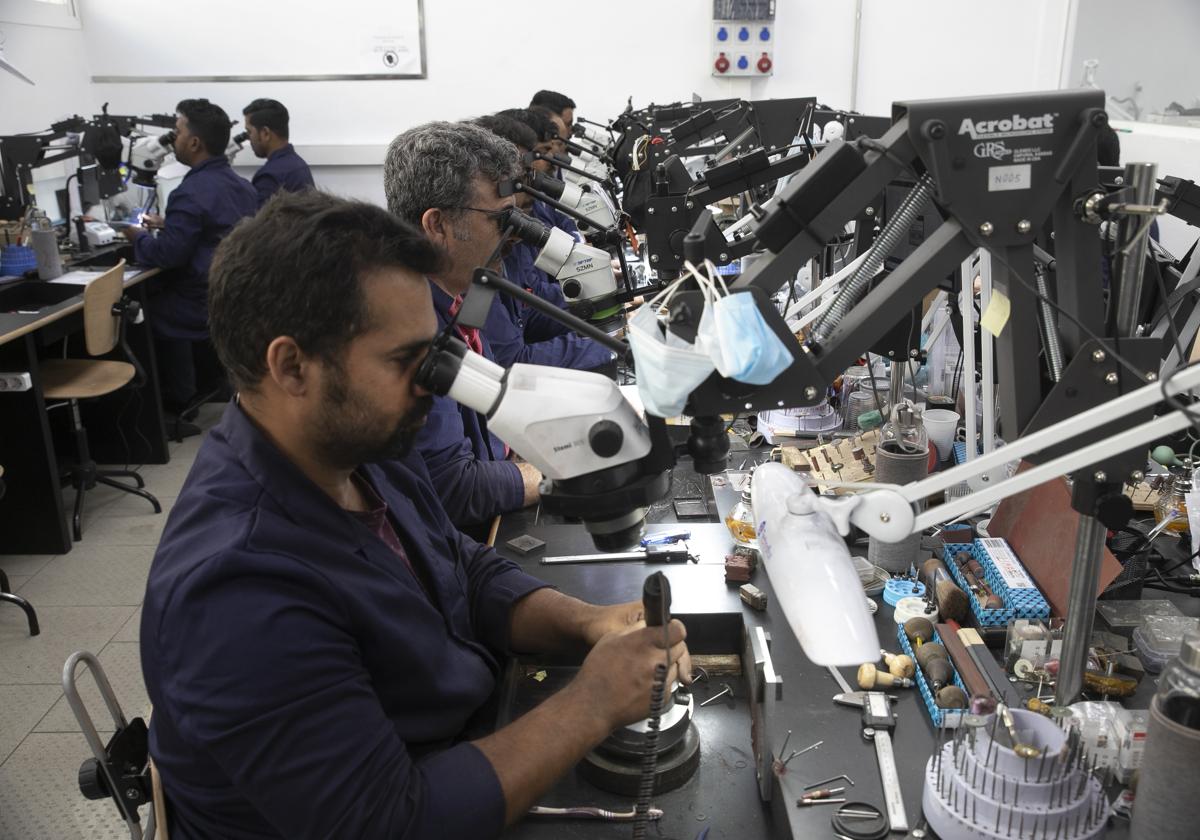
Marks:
<point>350,432</point>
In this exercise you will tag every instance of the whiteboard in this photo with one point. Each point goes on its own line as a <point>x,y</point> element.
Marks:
<point>254,40</point>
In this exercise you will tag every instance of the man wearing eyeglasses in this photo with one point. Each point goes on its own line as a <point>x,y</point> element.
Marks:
<point>442,177</point>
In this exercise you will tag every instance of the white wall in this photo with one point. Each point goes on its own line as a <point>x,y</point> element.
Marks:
<point>929,49</point>
<point>55,60</point>
<point>1156,50</point>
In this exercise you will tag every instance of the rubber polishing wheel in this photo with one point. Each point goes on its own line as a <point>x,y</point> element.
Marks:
<point>675,767</point>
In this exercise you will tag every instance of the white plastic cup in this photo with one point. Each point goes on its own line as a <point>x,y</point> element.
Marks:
<point>940,425</point>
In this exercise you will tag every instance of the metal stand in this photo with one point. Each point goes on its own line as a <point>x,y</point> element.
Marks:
<point>1089,543</point>
<point>1081,609</point>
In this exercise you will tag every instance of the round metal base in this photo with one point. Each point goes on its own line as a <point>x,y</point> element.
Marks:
<point>621,776</point>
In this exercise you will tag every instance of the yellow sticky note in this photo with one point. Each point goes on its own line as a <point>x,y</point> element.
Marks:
<point>996,316</point>
<point>540,675</point>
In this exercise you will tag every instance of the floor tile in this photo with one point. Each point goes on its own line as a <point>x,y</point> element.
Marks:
<point>123,666</point>
<point>40,798</point>
<point>15,582</point>
<point>130,521</point>
<point>24,564</point>
<point>21,708</point>
<point>26,659</point>
<point>94,574</point>
<point>131,631</point>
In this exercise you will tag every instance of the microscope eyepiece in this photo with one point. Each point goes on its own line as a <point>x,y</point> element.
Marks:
<point>525,228</point>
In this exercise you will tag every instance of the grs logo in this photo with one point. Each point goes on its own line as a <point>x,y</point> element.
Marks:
<point>992,149</point>
<point>1011,126</point>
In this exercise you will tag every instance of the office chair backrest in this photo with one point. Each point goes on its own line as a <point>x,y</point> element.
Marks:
<point>100,324</point>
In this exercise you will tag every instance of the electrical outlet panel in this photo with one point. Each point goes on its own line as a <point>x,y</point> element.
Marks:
<point>743,38</point>
<point>15,381</point>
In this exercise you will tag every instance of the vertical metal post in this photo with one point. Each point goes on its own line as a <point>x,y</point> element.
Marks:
<point>1089,543</point>
<point>896,391</point>
<point>1081,609</point>
<point>966,302</point>
<point>1130,260</point>
<point>986,350</point>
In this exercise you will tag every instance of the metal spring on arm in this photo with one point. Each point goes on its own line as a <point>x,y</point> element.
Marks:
<point>893,232</point>
<point>641,809</point>
<point>1054,356</point>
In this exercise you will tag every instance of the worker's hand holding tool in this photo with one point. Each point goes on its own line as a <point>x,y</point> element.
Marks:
<point>616,618</point>
<point>618,675</point>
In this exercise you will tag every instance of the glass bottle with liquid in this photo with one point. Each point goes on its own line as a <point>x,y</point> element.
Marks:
<point>740,522</point>
<point>1171,506</point>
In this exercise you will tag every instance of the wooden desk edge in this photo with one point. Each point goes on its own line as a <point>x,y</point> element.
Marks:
<point>76,306</point>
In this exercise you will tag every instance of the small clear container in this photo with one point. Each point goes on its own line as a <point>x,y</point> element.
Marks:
<point>740,522</point>
<point>1160,638</point>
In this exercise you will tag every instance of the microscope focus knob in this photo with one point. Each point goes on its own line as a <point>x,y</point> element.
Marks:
<point>572,289</point>
<point>605,437</point>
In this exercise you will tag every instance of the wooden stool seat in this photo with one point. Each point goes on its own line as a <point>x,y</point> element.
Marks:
<point>82,379</point>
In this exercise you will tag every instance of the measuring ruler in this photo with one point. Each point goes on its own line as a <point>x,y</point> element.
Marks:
<point>650,554</point>
<point>878,722</point>
<point>841,681</point>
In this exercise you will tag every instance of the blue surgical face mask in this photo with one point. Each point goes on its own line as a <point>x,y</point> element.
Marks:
<point>740,342</point>
<point>668,367</point>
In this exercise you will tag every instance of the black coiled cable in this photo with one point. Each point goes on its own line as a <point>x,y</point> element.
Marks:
<point>641,809</point>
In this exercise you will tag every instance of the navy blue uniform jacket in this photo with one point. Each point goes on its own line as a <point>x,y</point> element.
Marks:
<point>209,201</point>
<point>519,333</point>
<point>284,170</point>
<point>466,461</point>
<point>555,218</point>
<point>304,685</point>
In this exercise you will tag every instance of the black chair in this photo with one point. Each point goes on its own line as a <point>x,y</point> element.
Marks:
<point>6,593</point>
<point>104,319</point>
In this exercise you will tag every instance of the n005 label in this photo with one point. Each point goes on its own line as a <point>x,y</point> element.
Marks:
<point>1016,177</point>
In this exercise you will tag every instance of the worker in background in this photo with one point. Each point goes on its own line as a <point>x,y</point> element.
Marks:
<point>267,125</point>
<point>515,331</point>
<point>561,133</point>
<point>208,202</point>
<point>560,104</point>
<point>318,640</point>
<point>543,128</point>
<point>443,178</point>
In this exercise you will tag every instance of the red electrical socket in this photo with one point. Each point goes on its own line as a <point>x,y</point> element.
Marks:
<point>764,64</point>
<point>722,63</point>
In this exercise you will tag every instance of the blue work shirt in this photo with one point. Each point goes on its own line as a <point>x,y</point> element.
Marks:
<point>304,683</point>
<point>467,462</point>
<point>506,333</point>
<point>554,217</point>
<point>519,268</point>
<point>284,170</point>
<point>208,202</point>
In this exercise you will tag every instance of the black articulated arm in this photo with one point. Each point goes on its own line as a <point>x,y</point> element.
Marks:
<point>1000,170</point>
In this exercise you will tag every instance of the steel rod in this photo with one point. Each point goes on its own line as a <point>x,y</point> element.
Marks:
<point>1081,609</point>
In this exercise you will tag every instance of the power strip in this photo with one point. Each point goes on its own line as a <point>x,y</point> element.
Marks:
<point>15,381</point>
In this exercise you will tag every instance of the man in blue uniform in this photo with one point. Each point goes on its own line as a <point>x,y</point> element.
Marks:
<point>442,177</point>
<point>267,125</point>
<point>208,202</point>
<point>317,638</point>
<point>556,103</point>
<point>517,332</point>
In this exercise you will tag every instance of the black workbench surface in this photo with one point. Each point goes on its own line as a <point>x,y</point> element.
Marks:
<point>723,794</point>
